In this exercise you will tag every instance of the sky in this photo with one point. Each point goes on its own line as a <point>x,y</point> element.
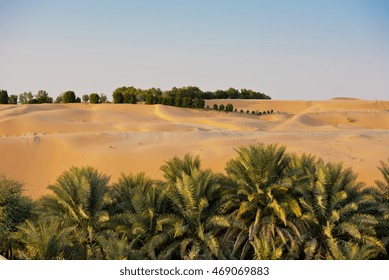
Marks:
<point>291,49</point>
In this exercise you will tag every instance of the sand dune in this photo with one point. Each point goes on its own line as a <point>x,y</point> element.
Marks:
<point>39,142</point>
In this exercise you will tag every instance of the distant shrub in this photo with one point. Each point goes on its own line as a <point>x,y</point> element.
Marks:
<point>229,107</point>
<point>264,112</point>
<point>248,111</point>
<point>215,107</point>
<point>271,111</point>
<point>241,110</point>
<point>207,106</point>
<point>253,112</point>
<point>221,107</point>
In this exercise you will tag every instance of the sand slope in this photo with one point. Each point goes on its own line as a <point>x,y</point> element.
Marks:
<point>39,142</point>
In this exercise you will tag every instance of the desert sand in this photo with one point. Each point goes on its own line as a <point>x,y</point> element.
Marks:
<point>39,142</point>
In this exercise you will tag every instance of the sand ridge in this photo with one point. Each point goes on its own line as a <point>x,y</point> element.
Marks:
<point>39,142</point>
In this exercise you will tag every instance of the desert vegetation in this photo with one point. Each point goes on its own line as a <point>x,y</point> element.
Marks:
<point>269,204</point>
<point>187,97</point>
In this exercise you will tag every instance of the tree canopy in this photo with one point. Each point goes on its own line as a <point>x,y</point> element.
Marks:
<point>176,96</point>
<point>3,97</point>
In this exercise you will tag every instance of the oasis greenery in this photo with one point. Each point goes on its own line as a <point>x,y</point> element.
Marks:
<point>268,205</point>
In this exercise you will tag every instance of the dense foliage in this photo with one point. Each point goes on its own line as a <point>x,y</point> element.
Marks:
<point>187,97</point>
<point>69,97</point>
<point>269,205</point>
<point>94,98</point>
<point>3,96</point>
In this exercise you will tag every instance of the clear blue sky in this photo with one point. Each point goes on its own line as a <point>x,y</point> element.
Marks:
<point>288,49</point>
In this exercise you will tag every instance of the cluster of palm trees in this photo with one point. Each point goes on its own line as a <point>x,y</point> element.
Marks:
<point>269,205</point>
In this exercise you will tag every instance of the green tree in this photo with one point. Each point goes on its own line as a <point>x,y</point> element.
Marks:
<point>45,240</point>
<point>3,97</point>
<point>149,99</point>
<point>336,223</point>
<point>187,102</point>
<point>233,93</point>
<point>174,168</point>
<point>137,203</point>
<point>178,101</point>
<point>103,98</point>
<point>79,199</point>
<point>43,97</point>
<point>215,107</point>
<point>14,209</point>
<point>221,94</point>
<point>198,103</point>
<point>117,97</point>
<point>130,98</point>
<point>69,97</point>
<point>381,209</point>
<point>94,98</point>
<point>59,98</point>
<point>25,97</point>
<point>33,101</point>
<point>13,99</point>
<point>190,230</point>
<point>85,98</point>
<point>114,248</point>
<point>267,211</point>
<point>221,107</point>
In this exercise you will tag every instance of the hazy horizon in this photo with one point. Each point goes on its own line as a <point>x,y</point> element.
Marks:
<point>311,50</point>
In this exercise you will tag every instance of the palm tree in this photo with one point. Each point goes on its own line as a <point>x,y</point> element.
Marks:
<point>113,247</point>
<point>137,203</point>
<point>381,193</point>
<point>175,168</point>
<point>192,224</point>
<point>335,222</point>
<point>45,240</point>
<point>267,214</point>
<point>79,199</point>
<point>14,209</point>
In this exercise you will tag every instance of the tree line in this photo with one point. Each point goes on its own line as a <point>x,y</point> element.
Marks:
<point>270,204</point>
<point>189,97</point>
<point>43,97</point>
